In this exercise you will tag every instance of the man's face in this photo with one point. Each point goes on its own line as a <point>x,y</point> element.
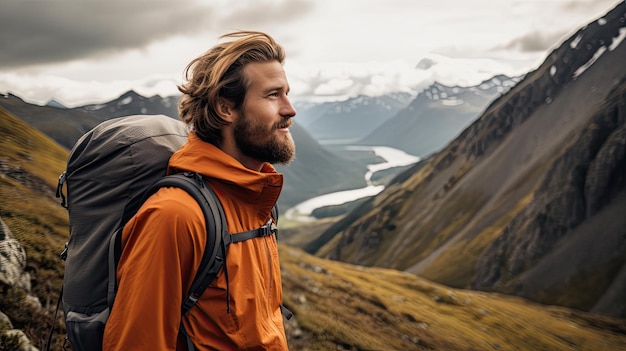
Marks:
<point>262,128</point>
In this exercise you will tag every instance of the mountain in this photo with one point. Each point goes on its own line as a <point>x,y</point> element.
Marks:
<point>54,103</point>
<point>66,125</point>
<point>437,115</point>
<point>350,119</point>
<point>337,306</point>
<point>131,103</point>
<point>63,125</point>
<point>529,199</point>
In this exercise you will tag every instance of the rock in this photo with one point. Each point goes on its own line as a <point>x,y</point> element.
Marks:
<point>4,319</point>
<point>33,302</point>
<point>12,264</point>
<point>12,260</point>
<point>25,343</point>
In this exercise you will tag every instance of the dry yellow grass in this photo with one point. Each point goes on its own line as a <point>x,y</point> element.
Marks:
<point>378,309</point>
<point>31,164</point>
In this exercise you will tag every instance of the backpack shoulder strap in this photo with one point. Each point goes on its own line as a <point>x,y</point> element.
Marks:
<point>216,228</point>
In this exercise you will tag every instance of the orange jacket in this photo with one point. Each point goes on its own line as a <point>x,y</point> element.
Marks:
<point>163,245</point>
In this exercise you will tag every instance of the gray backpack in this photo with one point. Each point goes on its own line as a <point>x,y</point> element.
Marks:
<point>111,171</point>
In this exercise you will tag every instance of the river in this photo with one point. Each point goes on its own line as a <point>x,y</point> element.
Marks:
<point>393,158</point>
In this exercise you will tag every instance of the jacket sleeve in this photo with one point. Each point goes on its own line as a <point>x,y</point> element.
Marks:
<point>162,248</point>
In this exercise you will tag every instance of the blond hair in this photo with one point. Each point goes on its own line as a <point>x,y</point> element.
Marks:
<point>218,74</point>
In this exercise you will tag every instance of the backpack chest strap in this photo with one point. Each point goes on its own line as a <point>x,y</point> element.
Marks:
<point>266,230</point>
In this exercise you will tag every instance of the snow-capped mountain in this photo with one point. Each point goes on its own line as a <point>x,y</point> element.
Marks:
<point>55,103</point>
<point>349,119</point>
<point>437,115</point>
<point>131,103</point>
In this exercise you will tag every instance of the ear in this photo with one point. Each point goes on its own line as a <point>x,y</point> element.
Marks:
<point>226,110</point>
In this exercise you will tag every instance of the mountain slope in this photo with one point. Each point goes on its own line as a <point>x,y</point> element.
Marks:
<point>437,115</point>
<point>527,199</point>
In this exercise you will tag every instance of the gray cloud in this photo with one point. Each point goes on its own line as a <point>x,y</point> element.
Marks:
<point>587,6</point>
<point>542,40</point>
<point>39,32</point>
<point>535,41</point>
<point>35,32</point>
<point>260,13</point>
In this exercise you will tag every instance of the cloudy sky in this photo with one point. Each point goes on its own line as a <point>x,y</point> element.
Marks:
<point>88,51</point>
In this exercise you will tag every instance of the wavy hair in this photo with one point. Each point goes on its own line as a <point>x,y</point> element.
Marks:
<point>218,74</point>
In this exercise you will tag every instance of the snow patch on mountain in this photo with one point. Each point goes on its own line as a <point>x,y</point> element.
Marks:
<point>618,39</point>
<point>127,100</point>
<point>589,63</point>
<point>574,43</point>
<point>452,102</point>
<point>452,96</point>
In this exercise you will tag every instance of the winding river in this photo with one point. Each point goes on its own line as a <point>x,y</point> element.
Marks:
<point>393,158</point>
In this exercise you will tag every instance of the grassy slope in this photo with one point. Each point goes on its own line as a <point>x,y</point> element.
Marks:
<point>31,165</point>
<point>378,309</point>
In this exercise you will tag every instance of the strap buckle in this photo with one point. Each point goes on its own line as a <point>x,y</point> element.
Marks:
<point>268,229</point>
<point>189,302</point>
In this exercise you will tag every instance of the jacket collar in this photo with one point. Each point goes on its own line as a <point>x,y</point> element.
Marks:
<point>207,159</point>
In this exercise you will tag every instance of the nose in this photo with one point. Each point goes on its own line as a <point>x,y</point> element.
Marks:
<point>287,109</point>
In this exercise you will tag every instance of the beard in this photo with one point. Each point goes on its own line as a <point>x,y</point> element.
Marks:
<point>263,143</point>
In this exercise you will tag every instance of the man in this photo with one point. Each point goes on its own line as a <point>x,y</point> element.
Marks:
<point>235,99</point>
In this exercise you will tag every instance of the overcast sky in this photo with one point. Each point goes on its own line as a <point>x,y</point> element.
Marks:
<point>87,51</point>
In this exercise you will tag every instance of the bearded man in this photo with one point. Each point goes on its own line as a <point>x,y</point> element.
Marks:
<point>235,98</point>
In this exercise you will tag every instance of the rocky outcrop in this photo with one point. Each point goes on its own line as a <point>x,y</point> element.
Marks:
<point>12,275</point>
<point>12,261</point>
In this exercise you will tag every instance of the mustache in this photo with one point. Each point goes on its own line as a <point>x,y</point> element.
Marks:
<point>284,124</point>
